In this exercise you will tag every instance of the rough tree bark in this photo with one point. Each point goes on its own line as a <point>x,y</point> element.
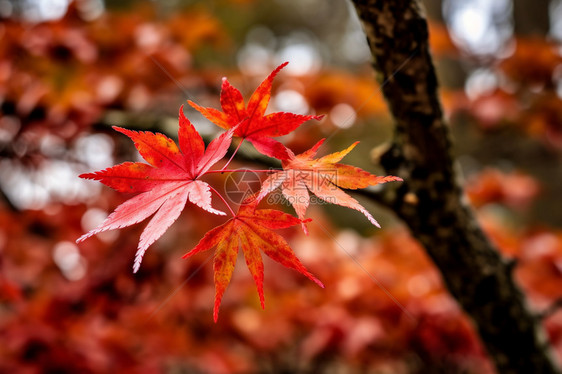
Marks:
<point>431,202</point>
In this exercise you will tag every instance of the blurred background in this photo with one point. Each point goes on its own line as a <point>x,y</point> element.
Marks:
<point>71,69</point>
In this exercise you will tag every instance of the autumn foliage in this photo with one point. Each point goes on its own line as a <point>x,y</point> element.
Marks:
<point>172,177</point>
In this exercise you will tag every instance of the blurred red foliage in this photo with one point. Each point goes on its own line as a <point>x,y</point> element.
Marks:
<point>516,190</point>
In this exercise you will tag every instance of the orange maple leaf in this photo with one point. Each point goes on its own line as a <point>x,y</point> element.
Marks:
<point>252,229</point>
<point>323,177</point>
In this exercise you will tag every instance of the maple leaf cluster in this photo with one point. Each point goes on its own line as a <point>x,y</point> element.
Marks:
<point>174,175</point>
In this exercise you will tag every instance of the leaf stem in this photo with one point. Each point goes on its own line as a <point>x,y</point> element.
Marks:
<point>241,170</point>
<point>223,200</point>
<point>232,156</point>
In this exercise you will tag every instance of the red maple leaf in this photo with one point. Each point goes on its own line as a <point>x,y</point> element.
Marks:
<point>253,124</point>
<point>165,185</point>
<point>252,229</point>
<point>323,177</point>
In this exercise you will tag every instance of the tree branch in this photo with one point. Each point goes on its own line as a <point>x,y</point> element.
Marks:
<point>431,202</point>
